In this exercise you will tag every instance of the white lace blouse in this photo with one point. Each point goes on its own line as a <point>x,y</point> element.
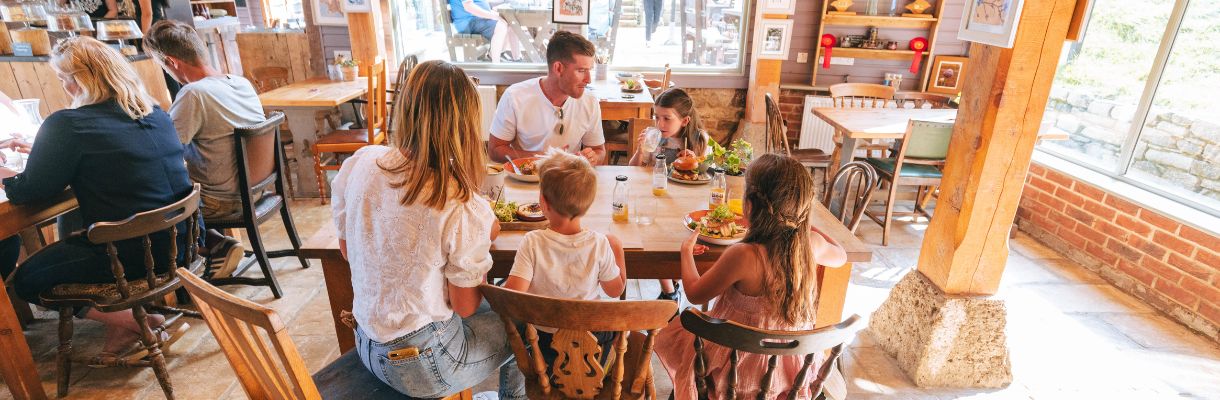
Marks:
<point>400,255</point>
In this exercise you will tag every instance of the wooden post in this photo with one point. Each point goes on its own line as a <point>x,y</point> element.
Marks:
<point>367,36</point>
<point>966,244</point>
<point>764,78</point>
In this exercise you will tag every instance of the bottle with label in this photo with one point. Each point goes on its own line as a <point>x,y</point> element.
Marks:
<point>618,203</point>
<point>719,188</point>
<point>660,176</point>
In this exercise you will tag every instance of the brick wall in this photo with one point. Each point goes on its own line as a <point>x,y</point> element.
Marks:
<point>1173,267</point>
<point>791,105</point>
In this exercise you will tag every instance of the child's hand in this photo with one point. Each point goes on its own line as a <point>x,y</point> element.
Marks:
<point>691,245</point>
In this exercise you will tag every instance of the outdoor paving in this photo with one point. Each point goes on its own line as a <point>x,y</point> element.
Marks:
<point>1070,334</point>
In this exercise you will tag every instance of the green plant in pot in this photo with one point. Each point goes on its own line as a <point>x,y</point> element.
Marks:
<point>733,160</point>
<point>349,67</point>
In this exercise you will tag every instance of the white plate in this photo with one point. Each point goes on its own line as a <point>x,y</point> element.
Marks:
<point>518,177</point>
<point>695,215</point>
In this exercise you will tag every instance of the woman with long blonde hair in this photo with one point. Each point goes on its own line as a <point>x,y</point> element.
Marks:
<point>120,154</point>
<point>767,281</point>
<point>417,237</point>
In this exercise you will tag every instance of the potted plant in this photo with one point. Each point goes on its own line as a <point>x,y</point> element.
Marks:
<point>349,67</point>
<point>733,160</point>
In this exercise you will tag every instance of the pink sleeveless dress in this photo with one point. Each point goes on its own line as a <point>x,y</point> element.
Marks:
<point>676,348</point>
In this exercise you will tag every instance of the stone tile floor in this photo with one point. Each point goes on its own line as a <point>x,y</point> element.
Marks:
<point>1070,334</point>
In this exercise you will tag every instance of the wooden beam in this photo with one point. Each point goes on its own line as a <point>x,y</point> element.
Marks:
<point>966,245</point>
<point>764,78</point>
<point>367,36</point>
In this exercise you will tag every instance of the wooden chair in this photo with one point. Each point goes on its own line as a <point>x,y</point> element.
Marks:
<point>919,100</point>
<point>260,178</point>
<point>771,343</point>
<point>862,95</point>
<point>407,64</point>
<point>628,143</point>
<point>350,140</point>
<point>848,195</point>
<point>626,373</point>
<point>266,79</point>
<point>814,159</point>
<point>471,45</point>
<point>921,152</point>
<point>135,295</point>
<point>275,370</point>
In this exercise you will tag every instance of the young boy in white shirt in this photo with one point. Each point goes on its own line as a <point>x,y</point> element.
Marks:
<point>565,260</point>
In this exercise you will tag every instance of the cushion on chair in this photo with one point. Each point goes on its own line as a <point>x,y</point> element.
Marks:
<point>346,378</point>
<point>885,166</point>
<point>345,136</point>
<point>811,156</point>
<point>99,295</point>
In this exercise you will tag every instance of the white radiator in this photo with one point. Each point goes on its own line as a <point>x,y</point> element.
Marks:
<point>487,99</point>
<point>816,133</point>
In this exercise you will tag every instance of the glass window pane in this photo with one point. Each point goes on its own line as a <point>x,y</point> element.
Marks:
<point>629,33</point>
<point>1101,78</point>
<point>1179,145</point>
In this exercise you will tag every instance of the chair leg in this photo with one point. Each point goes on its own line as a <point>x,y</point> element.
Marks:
<point>153,344</point>
<point>63,361</point>
<point>320,175</point>
<point>291,228</point>
<point>260,255</point>
<point>889,215</point>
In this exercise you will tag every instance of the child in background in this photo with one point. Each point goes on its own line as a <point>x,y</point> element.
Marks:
<point>681,129</point>
<point>567,261</point>
<point>767,281</point>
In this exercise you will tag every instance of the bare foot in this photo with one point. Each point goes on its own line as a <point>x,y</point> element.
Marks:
<point>118,340</point>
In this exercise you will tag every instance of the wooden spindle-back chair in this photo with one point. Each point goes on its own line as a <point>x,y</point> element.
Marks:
<point>777,140</point>
<point>848,195</point>
<point>625,374</point>
<point>920,100</point>
<point>739,338</point>
<point>268,366</point>
<point>135,295</point>
<point>863,95</point>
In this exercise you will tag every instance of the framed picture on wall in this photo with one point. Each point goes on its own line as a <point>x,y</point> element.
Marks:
<point>570,12</point>
<point>785,7</point>
<point>992,22</point>
<point>356,6</point>
<point>328,12</point>
<point>773,38</point>
<point>947,75</point>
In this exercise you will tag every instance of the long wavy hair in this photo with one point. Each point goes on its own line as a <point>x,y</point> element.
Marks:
<point>437,136</point>
<point>781,195</point>
<point>691,134</point>
<point>102,74</point>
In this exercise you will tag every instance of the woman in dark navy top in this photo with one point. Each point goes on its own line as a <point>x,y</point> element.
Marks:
<point>120,154</point>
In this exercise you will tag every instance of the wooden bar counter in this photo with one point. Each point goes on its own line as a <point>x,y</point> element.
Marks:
<point>33,78</point>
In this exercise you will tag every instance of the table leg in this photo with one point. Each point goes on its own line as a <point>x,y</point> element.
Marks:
<point>304,128</point>
<point>338,276</point>
<point>16,364</point>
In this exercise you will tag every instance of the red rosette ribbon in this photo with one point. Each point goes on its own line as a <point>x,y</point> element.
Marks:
<point>919,45</point>
<point>828,42</point>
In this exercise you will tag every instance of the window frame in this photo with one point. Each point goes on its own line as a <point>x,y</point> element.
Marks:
<point>1126,154</point>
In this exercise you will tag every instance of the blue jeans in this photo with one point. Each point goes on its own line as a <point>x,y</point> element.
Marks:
<point>454,354</point>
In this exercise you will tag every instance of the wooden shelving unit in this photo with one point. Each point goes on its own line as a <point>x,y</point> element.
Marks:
<point>228,5</point>
<point>882,22</point>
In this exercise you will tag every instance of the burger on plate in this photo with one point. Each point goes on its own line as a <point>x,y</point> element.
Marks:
<point>686,167</point>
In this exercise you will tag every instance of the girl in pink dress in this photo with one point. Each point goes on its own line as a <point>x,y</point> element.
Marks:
<point>768,281</point>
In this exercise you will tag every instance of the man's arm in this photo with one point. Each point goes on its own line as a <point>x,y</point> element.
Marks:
<point>477,11</point>
<point>497,148</point>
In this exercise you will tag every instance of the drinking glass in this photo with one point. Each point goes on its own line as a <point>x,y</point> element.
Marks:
<point>652,139</point>
<point>645,210</point>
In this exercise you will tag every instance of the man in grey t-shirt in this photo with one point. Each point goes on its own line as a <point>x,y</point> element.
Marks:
<point>208,107</point>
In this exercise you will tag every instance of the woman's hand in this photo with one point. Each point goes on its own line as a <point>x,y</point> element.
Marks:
<point>15,144</point>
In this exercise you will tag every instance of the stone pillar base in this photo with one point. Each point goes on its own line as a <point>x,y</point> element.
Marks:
<point>941,340</point>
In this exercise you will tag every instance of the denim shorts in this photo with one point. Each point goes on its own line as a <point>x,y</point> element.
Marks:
<point>449,357</point>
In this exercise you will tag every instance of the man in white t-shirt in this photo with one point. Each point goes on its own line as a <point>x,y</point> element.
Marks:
<point>554,110</point>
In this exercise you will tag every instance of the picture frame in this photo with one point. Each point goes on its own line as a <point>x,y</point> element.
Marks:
<point>328,12</point>
<point>773,38</point>
<point>356,6</point>
<point>947,75</point>
<point>570,12</point>
<point>991,22</point>
<point>783,7</point>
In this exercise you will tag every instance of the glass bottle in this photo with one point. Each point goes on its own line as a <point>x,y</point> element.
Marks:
<point>719,189</point>
<point>618,203</point>
<point>660,176</point>
<point>895,9</point>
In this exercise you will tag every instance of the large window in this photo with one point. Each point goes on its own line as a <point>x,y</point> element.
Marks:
<point>1138,98</point>
<point>689,35</point>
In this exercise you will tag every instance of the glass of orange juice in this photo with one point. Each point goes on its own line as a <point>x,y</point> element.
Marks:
<point>735,206</point>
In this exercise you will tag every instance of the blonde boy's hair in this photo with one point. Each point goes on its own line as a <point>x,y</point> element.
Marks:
<point>567,182</point>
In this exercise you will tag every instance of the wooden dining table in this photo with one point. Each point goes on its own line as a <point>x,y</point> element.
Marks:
<point>652,250</point>
<point>300,102</point>
<point>16,362</point>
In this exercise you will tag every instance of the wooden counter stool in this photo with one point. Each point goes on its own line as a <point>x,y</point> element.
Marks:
<point>271,368</point>
<point>124,294</point>
<point>771,343</point>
